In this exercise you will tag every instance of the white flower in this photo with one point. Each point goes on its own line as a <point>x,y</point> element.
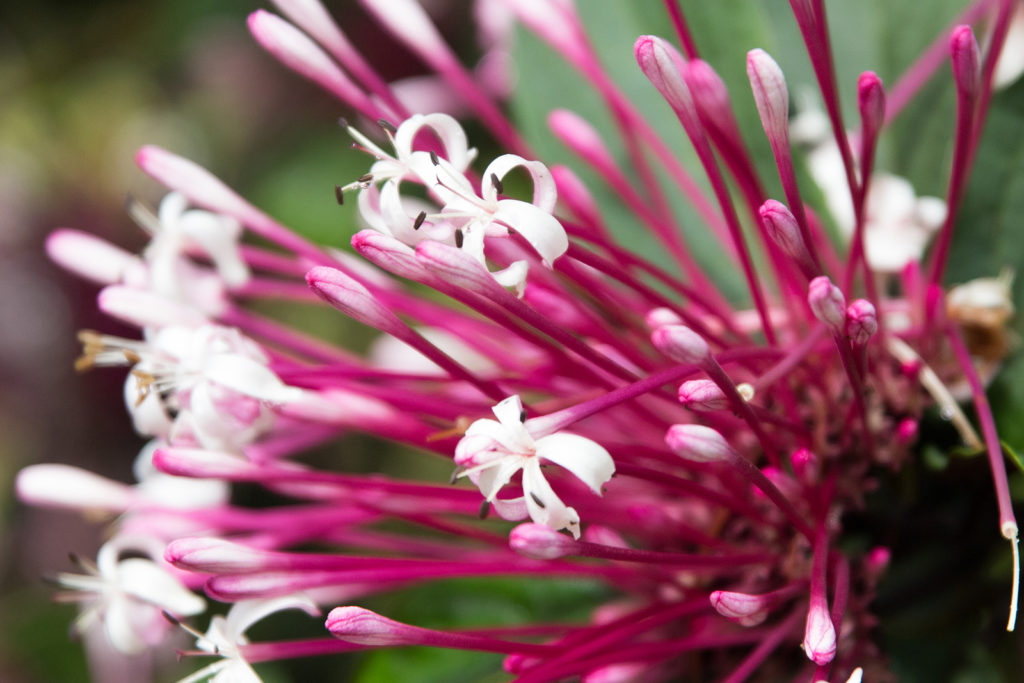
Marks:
<point>176,232</point>
<point>128,596</point>
<point>208,385</point>
<point>226,636</point>
<point>493,451</point>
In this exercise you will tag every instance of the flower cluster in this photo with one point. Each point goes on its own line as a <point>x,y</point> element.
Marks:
<point>699,453</point>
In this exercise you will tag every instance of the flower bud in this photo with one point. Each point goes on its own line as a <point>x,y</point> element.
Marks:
<point>770,94</point>
<point>681,344</point>
<point>871,103</point>
<point>298,52</point>
<point>782,228</point>
<point>363,627</point>
<point>66,487</point>
<point>351,298</point>
<point>702,394</point>
<point>964,53</point>
<point>805,464</point>
<point>906,432</point>
<point>861,322</point>
<point>581,137</point>
<point>90,257</point>
<point>143,308</point>
<point>455,266</point>
<point>732,605</point>
<point>698,443</point>
<point>214,556</point>
<point>659,317</point>
<point>828,303</point>
<point>540,542</point>
<point>820,634</point>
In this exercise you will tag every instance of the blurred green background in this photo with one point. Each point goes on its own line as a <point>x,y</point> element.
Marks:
<point>82,85</point>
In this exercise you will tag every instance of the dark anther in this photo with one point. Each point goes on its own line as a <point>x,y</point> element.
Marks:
<point>387,125</point>
<point>171,618</point>
<point>485,508</point>
<point>537,500</point>
<point>496,181</point>
<point>339,195</point>
<point>459,237</point>
<point>433,158</point>
<point>419,220</point>
<point>522,415</point>
<point>366,178</point>
<point>343,122</point>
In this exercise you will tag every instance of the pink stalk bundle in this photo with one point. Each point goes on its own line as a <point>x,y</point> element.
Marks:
<point>648,434</point>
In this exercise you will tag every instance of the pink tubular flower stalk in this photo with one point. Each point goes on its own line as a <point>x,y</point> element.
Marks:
<point>690,450</point>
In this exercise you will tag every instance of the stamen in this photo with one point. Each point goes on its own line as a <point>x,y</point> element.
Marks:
<point>418,223</point>
<point>537,500</point>
<point>387,126</point>
<point>459,238</point>
<point>339,194</point>
<point>496,181</point>
<point>485,508</point>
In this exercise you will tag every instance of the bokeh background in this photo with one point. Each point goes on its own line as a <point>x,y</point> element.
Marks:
<point>83,85</point>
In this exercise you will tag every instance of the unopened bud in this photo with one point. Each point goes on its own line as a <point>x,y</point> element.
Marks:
<point>702,394</point>
<point>363,627</point>
<point>664,68</point>
<point>143,308</point>
<point>906,432</point>
<point>770,94</point>
<point>732,605</point>
<point>659,317</point>
<point>681,344</point>
<point>540,542</point>
<point>805,464</point>
<point>828,303</point>
<point>871,103</point>
<point>581,137</point>
<point>820,634</point>
<point>861,322</point>
<point>698,443</point>
<point>67,487</point>
<point>351,298</point>
<point>781,226</point>
<point>455,266</point>
<point>964,53</point>
<point>214,556</point>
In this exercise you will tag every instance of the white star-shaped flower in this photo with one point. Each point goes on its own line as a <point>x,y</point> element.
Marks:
<point>492,451</point>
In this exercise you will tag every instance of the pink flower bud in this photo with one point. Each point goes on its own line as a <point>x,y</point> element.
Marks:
<point>389,253</point>
<point>702,394</point>
<point>214,556</point>
<point>964,53</point>
<point>698,443</point>
<point>782,228</point>
<point>659,317</point>
<point>827,303</point>
<point>361,626</point>
<point>871,103</point>
<point>298,52</point>
<point>351,298</point>
<point>455,266</point>
<point>806,464</point>
<point>574,194</point>
<point>710,95</point>
<point>192,180</point>
<point>733,605</point>
<point>906,432</point>
<point>770,94</point>
<point>664,68</point>
<point>861,322</point>
<point>681,344</point>
<point>820,634</point>
<point>540,542</point>
<point>581,137</point>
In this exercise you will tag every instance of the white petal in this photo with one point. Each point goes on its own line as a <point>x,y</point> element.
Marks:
<point>586,459</point>
<point>121,625</point>
<point>545,195</point>
<point>218,237</point>
<point>171,207</point>
<point>149,582</point>
<point>513,276</point>
<point>447,129</point>
<point>550,511</point>
<point>509,413</point>
<point>245,613</point>
<point>491,479</point>
<point>512,509</point>
<point>249,377</point>
<point>542,230</point>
